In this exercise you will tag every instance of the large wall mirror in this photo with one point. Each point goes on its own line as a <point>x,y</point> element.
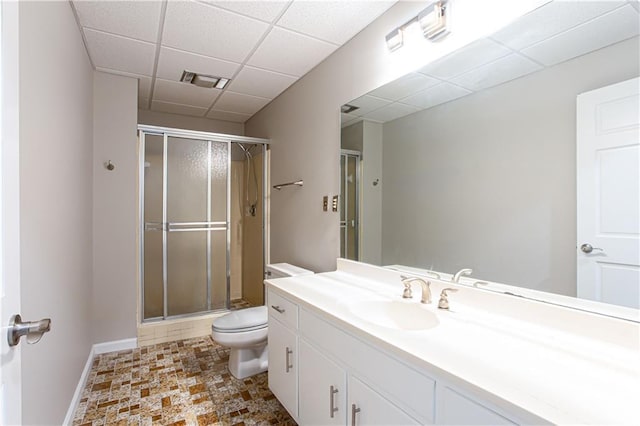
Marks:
<point>471,161</point>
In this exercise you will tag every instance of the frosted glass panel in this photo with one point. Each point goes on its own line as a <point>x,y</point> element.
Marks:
<point>153,296</point>
<point>153,155</point>
<point>186,272</point>
<point>219,167</point>
<point>218,269</point>
<point>187,174</point>
<point>352,244</point>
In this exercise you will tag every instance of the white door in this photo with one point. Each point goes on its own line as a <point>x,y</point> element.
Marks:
<point>10,389</point>
<point>608,183</point>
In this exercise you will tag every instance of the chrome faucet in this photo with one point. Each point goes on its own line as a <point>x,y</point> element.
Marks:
<point>426,290</point>
<point>461,272</point>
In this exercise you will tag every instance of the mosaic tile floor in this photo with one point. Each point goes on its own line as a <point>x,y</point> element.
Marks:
<point>185,382</point>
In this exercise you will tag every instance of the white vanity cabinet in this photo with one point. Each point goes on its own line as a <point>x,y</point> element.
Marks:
<point>283,351</point>
<point>326,376</point>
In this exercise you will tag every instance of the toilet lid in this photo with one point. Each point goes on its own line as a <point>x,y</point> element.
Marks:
<point>242,319</point>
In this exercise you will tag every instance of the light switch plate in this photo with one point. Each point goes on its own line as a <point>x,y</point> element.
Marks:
<point>334,203</point>
<point>325,203</point>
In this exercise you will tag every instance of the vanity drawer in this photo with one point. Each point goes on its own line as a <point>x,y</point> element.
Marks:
<point>282,309</point>
<point>407,388</point>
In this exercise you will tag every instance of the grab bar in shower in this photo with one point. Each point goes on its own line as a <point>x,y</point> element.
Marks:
<point>282,185</point>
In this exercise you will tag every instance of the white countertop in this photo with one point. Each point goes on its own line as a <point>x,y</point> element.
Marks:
<point>553,375</point>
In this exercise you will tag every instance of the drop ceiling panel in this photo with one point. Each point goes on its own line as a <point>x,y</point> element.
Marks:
<point>177,108</point>
<point>139,20</point>
<point>551,19</point>
<point>613,27</point>
<point>210,31</point>
<point>497,72</point>
<point>237,102</point>
<point>367,104</point>
<point>264,10</point>
<point>404,86</point>
<point>332,21</point>
<point>391,112</point>
<point>290,53</point>
<point>228,116</point>
<point>172,63</point>
<point>436,95</point>
<point>257,82</point>
<point>474,55</point>
<point>120,53</point>
<point>184,93</point>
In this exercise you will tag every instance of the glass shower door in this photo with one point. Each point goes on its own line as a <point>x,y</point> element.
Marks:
<point>349,201</point>
<point>186,213</point>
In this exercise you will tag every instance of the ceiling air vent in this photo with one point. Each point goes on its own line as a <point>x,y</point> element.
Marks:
<point>346,108</point>
<point>202,80</point>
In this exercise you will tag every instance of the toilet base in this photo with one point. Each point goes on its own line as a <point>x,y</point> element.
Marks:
<point>245,362</point>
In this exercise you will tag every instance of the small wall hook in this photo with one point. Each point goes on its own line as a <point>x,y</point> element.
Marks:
<point>109,165</point>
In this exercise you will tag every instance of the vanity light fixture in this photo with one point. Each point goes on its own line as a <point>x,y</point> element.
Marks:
<point>432,22</point>
<point>203,80</point>
<point>395,40</point>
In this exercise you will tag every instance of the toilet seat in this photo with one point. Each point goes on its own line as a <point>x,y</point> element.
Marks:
<point>242,320</point>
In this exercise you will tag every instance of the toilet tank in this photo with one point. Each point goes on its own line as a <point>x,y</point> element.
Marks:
<point>281,270</point>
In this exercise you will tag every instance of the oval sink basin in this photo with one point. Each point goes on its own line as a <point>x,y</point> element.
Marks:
<point>396,315</point>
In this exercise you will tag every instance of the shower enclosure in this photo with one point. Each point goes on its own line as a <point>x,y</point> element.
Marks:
<point>202,221</point>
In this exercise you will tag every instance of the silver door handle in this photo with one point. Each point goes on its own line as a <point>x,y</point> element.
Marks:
<point>332,407</point>
<point>588,248</point>
<point>354,411</point>
<point>288,360</point>
<point>32,329</point>
<point>278,308</point>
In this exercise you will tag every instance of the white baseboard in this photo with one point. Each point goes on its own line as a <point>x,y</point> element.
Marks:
<point>116,345</point>
<point>97,349</point>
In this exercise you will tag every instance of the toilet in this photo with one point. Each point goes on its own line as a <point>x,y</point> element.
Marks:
<point>245,331</point>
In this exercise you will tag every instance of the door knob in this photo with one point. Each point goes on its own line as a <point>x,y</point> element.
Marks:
<point>588,248</point>
<point>32,329</point>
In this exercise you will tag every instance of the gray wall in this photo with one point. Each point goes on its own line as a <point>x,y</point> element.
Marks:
<point>56,159</point>
<point>488,181</point>
<point>115,272</point>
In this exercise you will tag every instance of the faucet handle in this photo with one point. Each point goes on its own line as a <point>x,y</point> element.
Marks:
<point>443,303</point>
<point>406,294</point>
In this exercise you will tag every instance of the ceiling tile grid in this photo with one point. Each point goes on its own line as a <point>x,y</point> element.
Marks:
<point>262,46</point>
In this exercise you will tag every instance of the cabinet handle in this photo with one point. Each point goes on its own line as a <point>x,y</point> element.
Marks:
<point>288,359</point>
<point>278,308</point>
<point>354,411</point>
<point>332,408</point>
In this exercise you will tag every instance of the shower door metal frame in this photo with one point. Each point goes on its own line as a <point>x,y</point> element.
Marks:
<point>165,226</point>
<point>344,226</point>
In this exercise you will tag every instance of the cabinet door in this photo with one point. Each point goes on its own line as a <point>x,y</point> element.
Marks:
<point>323,388</point>
<point>367,407</point>
<point>283,371</point>
<point>456,409</point>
